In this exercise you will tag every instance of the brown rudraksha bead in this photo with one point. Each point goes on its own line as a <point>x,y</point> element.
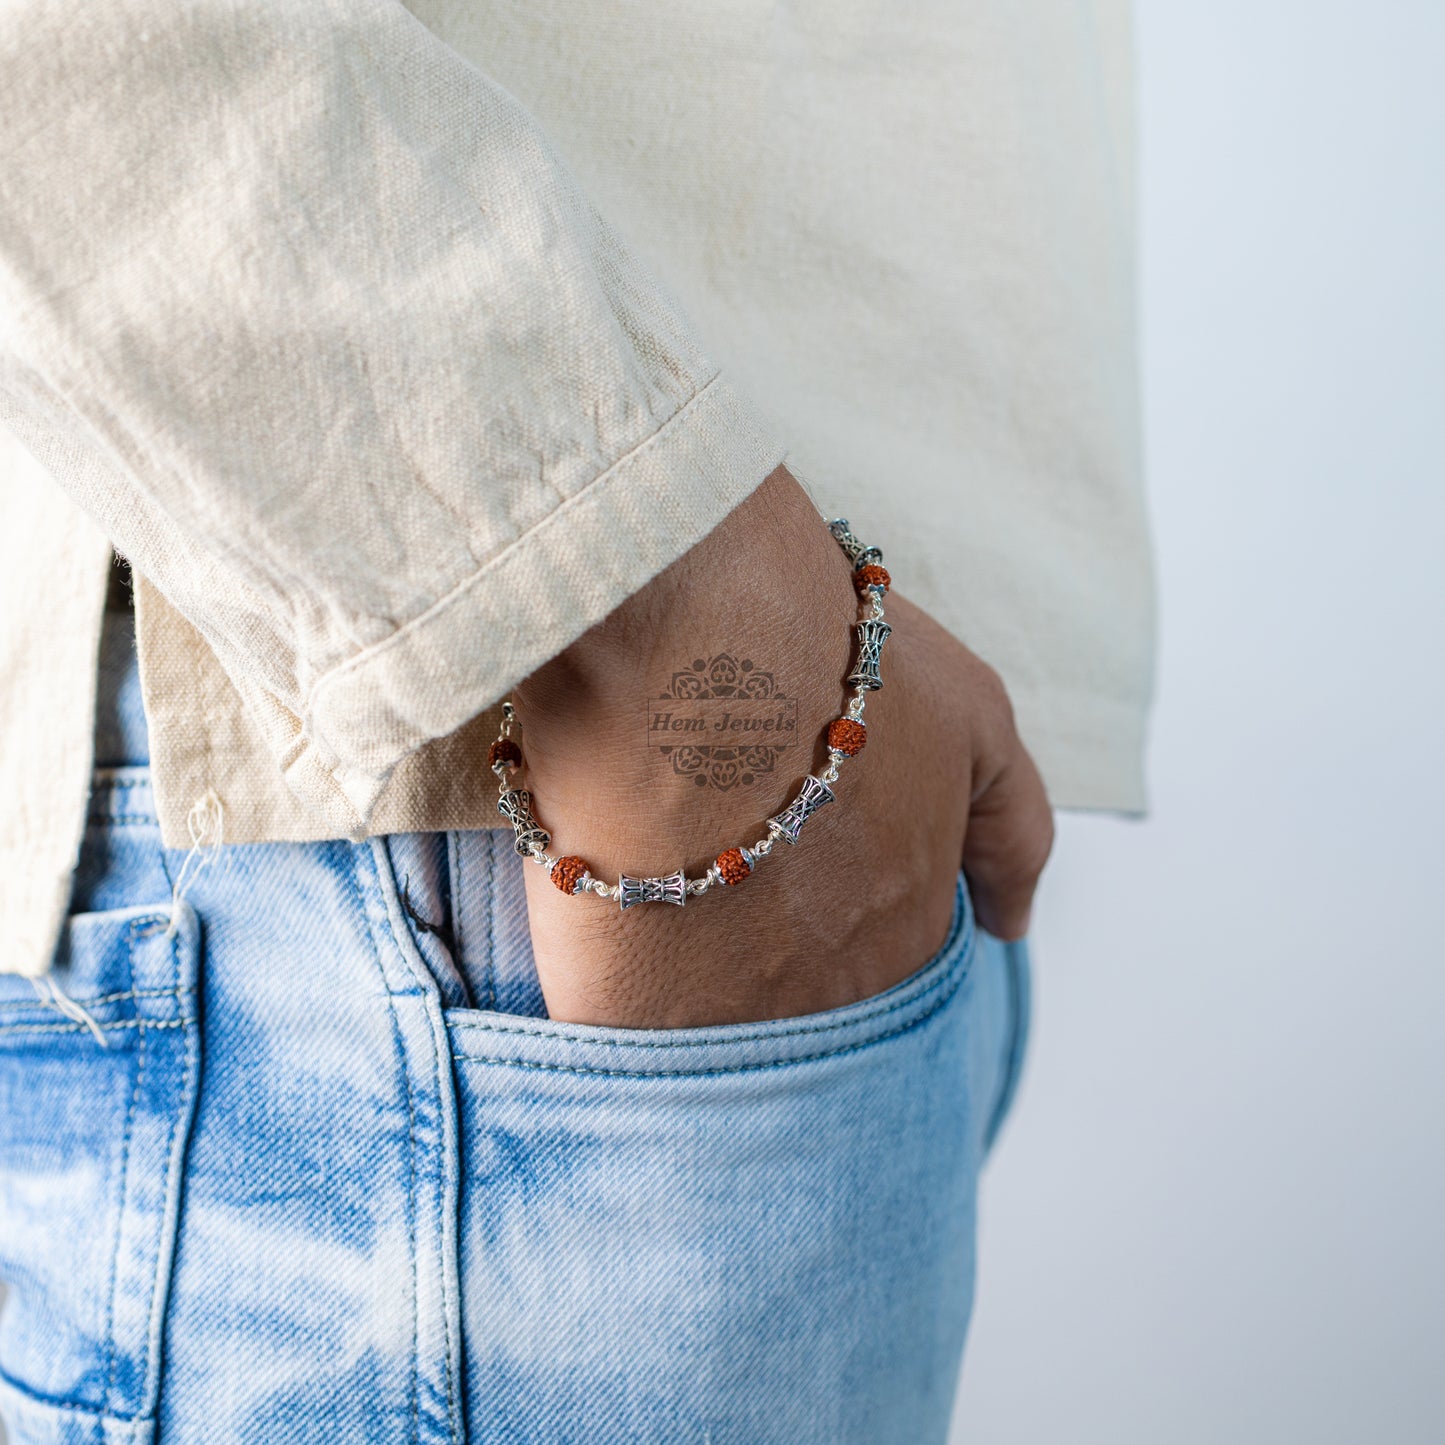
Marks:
<point>872,576</point>
<point>567,873</point>
<point>846,735</point>
<point>733,866</point>
<point>504,750</point>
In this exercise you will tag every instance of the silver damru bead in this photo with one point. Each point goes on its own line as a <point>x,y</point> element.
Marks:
<point>789,823</point>
<point>672,889</point>
<point>871,637</point>
<point>857,551</point>
<point>515,805</point>
<point>529,842</point>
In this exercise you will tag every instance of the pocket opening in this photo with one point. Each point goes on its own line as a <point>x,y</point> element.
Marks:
<point>507,1040</point>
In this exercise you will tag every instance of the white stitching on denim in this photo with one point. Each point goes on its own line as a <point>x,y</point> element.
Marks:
<point>103,1418</point>
<point>124,1186</point>
<point>20,1003</point>
<point>862,1044</point>
<point>7,1029</point>
<point>380,857</point>
<point>354,878</point>
<point>151,1363</point>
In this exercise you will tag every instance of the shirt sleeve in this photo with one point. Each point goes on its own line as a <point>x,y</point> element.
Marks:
<point>309,314</point>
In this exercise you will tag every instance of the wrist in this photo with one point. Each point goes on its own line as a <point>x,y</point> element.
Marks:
<point>628,763</point>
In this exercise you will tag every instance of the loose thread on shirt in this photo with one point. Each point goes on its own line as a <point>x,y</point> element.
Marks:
<point>206,824</point>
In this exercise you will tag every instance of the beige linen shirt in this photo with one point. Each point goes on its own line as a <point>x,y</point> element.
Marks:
<point>396,345</point>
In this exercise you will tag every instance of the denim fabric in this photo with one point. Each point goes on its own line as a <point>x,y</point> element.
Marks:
<point>334,1176</point>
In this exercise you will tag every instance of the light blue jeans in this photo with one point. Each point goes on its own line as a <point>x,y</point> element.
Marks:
<point>334,1176</point>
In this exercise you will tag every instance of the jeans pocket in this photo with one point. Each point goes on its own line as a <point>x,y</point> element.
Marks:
<point>98,1081</point>
<point>748,1233</point>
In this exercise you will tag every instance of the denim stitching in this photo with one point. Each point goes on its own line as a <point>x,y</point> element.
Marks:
<point>441,1244</point>
<point>102,1417</point>
<point>441,1238</point>
<point>99,999</point>
<point>732,1068</point>
<point>869,1016</point>
<point>170,1145</point>
<point>491,838</point>
<point>383,884</point>
<point>124,1181</point>
<point>85,1028</point>
<point>354,878</point>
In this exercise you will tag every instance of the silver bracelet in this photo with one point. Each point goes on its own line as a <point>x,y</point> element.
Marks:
<point>845,737</point>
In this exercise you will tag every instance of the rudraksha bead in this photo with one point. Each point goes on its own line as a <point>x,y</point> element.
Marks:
<point>872,576</point>
<point>733,866</point>
<point>504,750</point>
<point>567,873</point>
<point>846,735</point>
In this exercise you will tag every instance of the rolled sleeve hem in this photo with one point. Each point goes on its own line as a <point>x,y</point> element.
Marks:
<point>531,600</point>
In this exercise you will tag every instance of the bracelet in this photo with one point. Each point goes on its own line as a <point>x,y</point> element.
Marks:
<point>845,737</point>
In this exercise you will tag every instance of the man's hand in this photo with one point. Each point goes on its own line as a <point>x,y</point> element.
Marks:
<point>866,896</point>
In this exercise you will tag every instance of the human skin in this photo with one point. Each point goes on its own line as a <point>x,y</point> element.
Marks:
<point>866,896</point>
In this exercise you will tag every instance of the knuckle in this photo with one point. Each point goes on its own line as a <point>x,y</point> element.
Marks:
<point>992,695</point>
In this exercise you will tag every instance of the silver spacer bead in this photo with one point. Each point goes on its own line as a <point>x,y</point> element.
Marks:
<point>813,795</point>
<point>871,637</point>
<point>671,889</point>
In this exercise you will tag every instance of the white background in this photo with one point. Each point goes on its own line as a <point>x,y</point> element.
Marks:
<point>1219,1211</point>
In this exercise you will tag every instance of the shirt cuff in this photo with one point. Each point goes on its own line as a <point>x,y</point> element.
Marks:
<point>529,601</point>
